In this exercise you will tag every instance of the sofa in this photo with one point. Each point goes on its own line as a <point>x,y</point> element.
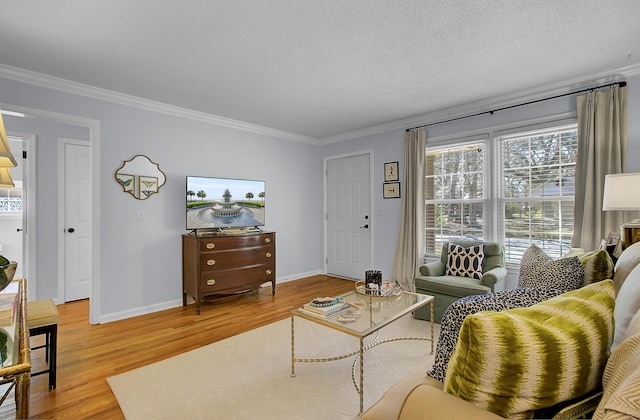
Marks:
<point>446,288</point>
<point>610,388</point>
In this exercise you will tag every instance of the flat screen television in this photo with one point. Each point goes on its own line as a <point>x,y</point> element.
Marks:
<point>219,203</point>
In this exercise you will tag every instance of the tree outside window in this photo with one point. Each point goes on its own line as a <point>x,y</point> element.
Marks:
<point>532,177</point>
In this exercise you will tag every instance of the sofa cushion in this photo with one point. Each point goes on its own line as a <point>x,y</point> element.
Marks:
<point>520,360</point>
<point>537,270</point>
<point>451,285</point>
<point>627,304</point>
<point>621,378</point>
<point>628,260</point>
<point>456,313</point>
<point>598,265</point>
<point>465,262</point>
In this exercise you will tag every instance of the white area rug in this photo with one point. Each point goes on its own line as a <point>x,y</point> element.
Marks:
<point>249,375</point>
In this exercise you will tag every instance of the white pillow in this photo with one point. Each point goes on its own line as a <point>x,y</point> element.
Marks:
<point>627,304</point>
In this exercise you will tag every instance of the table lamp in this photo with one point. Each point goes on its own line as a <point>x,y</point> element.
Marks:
<point>622,192</point>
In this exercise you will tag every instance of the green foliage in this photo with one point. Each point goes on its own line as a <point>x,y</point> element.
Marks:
<point>193,204</point>
<point>4,261</point>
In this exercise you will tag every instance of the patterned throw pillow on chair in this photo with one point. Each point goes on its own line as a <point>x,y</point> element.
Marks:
<point>539,271</point>
<point>465,262</point>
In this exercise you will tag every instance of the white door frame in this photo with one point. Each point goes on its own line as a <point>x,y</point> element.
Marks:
<point>372,224</point>
<point>94,143</point>
<point>29,209</point>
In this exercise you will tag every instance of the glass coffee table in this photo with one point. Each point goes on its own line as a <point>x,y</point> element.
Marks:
<point>376,312</point>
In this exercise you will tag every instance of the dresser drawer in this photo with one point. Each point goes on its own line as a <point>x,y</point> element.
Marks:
<point>237,279</point>
<point>234,242</point>
<point>237,258</point>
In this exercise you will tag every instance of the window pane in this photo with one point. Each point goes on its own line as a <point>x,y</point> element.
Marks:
<point>449,221</point>
<point>10,200</point>
<point>537,191</point>
<point>454,175</point>
<point>517,182</point>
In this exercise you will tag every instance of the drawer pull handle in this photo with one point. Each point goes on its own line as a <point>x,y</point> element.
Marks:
<point>211,282</point>
<point>268,255</point>
<point>211,245</point>
<point>211,262</point>
<point>267,240</point>
<point>268,272</point>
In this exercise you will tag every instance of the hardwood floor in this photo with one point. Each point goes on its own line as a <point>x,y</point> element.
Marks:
<point>88,354</point>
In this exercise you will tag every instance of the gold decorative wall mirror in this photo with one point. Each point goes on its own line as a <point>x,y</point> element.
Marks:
<point>140,177</point>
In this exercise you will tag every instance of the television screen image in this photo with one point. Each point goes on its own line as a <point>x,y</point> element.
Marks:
<point>218,203</point>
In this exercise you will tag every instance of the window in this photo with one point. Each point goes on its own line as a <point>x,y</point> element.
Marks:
<point>454,193</point>
<point>10,200</point>
<point>528,186</point>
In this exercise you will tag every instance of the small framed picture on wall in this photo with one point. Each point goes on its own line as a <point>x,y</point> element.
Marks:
<point>391,171</point>
<point>391,190</point>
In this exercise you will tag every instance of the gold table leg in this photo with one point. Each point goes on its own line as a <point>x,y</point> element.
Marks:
<point>361,376</point>
<point>293,369</point>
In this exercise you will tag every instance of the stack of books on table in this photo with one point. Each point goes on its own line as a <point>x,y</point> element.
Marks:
<point>325,311</point>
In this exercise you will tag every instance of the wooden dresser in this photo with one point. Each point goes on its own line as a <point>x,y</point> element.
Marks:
<point>222,265</point>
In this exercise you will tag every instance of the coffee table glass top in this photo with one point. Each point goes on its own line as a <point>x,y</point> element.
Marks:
<point>375,311</point>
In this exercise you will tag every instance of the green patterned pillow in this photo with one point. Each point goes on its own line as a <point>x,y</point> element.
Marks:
<point>520,360</point>
<point>598,265</point>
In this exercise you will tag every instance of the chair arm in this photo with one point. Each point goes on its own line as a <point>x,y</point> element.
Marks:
<point>426,402</point>
<point>432,269</point>
<point>495,278</point>
<point>579,409</point>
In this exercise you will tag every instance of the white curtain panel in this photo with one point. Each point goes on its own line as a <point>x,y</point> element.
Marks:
<point>410,246</point>
<point>602,148</point>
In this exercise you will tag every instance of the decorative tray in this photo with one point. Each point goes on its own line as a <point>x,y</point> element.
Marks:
<point>388,289</point>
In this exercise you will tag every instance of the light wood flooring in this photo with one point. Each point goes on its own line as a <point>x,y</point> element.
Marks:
<point>88,354</point>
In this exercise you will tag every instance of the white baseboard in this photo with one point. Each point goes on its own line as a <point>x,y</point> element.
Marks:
<point>143,310</point>
<point>298,276</point>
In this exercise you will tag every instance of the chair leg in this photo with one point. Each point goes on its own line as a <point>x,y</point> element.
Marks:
<point>53,356</point>
<point>51,351</point>
<point>47,346</point>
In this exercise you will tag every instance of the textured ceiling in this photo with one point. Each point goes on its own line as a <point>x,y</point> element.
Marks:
<point>319,68</point>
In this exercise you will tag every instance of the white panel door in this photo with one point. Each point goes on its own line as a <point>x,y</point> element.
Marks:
<point>77,261</point>
<point>348,218</point>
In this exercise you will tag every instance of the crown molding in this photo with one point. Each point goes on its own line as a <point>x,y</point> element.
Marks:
<point>51,82</point>
<point>513,98</point>
<point>67,86</point>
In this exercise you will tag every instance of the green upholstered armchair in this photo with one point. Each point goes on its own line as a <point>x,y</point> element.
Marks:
<point>447,289</point>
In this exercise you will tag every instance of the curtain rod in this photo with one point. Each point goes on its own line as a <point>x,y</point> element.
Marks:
<point>619,84</point>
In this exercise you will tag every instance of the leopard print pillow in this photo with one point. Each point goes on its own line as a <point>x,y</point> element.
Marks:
<point>539,271</point>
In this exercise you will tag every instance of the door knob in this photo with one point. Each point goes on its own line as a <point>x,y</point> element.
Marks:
<point>71,230</point>
<point>364,227</point>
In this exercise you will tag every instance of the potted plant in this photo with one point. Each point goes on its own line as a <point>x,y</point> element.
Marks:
<point>7,271</point>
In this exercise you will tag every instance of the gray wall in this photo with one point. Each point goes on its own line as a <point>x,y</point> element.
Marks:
<point>389,147</point>
<point>141,260</point>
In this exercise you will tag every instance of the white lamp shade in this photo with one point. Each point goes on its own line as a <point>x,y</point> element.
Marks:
<point>5,178</point>
<point>6,158</point>
<point>621,191</point>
